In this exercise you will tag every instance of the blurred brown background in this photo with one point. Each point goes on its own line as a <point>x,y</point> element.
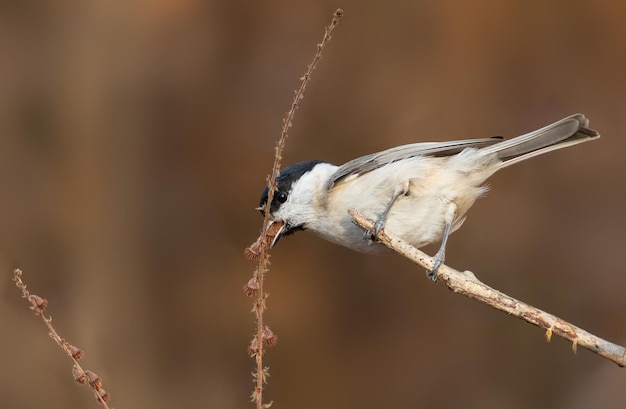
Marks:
<point>135,137</point>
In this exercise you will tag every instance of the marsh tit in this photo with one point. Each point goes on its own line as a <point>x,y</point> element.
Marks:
<point>420,192</point>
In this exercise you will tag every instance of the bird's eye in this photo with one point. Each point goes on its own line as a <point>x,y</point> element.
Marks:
<point>281,197</point>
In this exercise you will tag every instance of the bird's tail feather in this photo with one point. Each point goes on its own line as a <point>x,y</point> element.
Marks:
<point>566,132</point>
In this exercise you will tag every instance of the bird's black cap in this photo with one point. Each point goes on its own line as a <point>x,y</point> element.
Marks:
<point>284,181</point>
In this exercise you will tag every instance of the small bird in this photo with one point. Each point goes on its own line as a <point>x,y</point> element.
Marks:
<point>420,192</point>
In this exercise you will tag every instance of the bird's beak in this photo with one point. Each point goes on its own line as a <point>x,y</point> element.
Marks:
<point>276,228</point>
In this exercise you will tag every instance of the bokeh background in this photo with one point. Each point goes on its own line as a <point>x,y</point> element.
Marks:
<point>135,138</point>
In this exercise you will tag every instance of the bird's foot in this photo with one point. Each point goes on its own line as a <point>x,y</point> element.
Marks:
<point>373,233</point>
<point>432,273</point>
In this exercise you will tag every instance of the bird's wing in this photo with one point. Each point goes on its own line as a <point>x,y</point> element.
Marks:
<point>376,160</point>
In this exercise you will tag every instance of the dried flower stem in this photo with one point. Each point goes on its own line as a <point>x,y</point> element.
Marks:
<point>38,305</point>
<point>264,336</point>
<point>467,284</point>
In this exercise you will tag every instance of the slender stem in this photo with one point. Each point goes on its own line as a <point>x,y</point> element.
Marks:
<point>259,302</point>
<point>38,305</point>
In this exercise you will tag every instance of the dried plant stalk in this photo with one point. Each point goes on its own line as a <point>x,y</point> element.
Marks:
<point>83,376</point>
<point>264,337</point>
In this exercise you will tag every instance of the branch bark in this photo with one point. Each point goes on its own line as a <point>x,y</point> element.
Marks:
<point>467,284</point>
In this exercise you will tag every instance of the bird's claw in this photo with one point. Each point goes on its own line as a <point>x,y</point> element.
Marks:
<point>432,273</point>
<point>373,233</point>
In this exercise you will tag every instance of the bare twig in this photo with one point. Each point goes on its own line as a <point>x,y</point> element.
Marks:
<point>83,376</point>
<point>264,337</point>
<point>467,284</point>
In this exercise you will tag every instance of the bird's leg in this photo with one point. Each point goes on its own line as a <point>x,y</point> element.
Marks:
<point>380,222</point>
<point>441,253</point>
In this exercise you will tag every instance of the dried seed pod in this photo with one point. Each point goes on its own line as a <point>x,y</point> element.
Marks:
<point>77,353</point>
<point>38,304</point>
<point>79,375</point>
<point>94,380</point>
<point>269,338</point>
<point>102,395</point>
<point>251,287</point>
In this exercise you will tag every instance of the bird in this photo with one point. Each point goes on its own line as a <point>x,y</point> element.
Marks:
<point>420,192</point>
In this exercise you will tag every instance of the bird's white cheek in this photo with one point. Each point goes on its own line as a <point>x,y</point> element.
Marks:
<point>295,214</point>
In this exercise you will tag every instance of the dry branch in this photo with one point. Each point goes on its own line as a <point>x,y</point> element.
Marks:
<point>82,376</point>
<point>259,250</point>
<point>467,284</point>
